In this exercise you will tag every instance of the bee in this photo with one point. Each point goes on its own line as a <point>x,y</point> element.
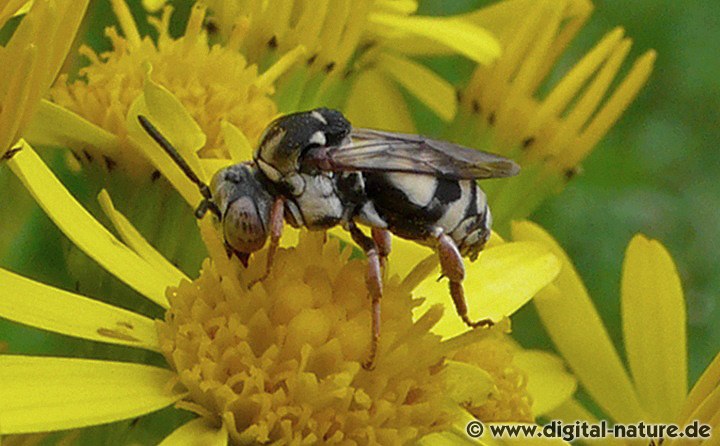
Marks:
<point>314,169</point>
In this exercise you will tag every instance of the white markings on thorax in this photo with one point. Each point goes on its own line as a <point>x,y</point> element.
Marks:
<point>318,138</point>
<point>317,115</point>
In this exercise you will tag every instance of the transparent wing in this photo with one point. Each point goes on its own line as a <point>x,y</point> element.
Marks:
<point>378,151</point>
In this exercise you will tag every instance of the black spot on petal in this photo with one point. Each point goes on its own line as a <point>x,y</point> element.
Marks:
<point>527,142</point>
<point>88,157</point>
<point>491,118</point>
<point>10,153</point>
<point>109,163</point>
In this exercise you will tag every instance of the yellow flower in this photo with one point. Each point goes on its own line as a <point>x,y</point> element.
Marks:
<point>32,59</point>
<point>654,389</point>
<point>277,362</point>
<point>357,53</point>
<point>215,88</point>
<point>215,84</point>
<point>503,110</point>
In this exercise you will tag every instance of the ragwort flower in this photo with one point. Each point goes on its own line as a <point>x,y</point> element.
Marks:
<point>90,115</point>
<point>276,362</point>
<point>502,109</point>
<point>32,59</point>
<point>653,388</point>
<point>93,116</point>
<point>352,61</point>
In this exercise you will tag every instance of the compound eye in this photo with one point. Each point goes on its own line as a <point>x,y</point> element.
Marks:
<point>243,227</point>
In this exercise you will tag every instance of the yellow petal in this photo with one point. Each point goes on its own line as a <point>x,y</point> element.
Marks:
<point>32,303</point>
<point>153,153</point>
<point>31,60</point>
<point>137,242</point>
<point>549,383</point>
<point>456,435</point>
<point>212,165</point>
<point>405,255</point>
<point>371,97</point>
<point>13,8</point>
<point>571,410</point>
<point>708,382</point>
<point>290,237</point>
<point>653,316</point>
<point>195,433</point>
<point>236,142</point>
<point>80,227</point>
<point>53,125</point>
<point>613,107</point>
<point>707,412</point>
<point>431,89</point>
<point>575,327</point>
<point>467,383</point>
<point>153,5</point>
<point>14,93</point>
<point>501,281</point>
<point>72,14</point>
<point>265,80</point>
<point>460,36</point>
<point>127,23</point>
<point>46,394</point>
<point>175,123</point>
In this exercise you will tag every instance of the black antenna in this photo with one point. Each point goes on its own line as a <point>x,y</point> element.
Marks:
<point>207,204</point>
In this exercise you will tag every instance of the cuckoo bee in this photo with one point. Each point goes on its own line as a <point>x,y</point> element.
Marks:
<point>314,169</point>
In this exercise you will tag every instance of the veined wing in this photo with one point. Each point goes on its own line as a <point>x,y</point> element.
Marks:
<point>378,151</point>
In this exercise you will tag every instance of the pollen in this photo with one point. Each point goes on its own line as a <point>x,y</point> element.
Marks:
<point>281,361</point>
<point>509,399</point>
<point>213,83</point>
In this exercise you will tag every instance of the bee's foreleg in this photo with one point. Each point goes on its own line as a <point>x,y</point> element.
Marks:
<point>374,285</point>
<point>276,229</point>
<point>453,268</point>
<point>383,241</point>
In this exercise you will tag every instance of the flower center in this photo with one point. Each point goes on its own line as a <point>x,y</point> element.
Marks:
<point>214,83</point>
<point>282,361</point>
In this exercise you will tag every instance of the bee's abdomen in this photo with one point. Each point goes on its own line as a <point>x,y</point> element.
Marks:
<point>414,206</point>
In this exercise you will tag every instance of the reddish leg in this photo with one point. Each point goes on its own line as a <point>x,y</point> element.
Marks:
<point>383,241</point>
<point>276,228</point>
<point>452,266</point>
<point>374,285</point>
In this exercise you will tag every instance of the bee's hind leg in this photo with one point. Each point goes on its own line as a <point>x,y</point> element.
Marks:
<point>453,268</point>
<point>374,285</point>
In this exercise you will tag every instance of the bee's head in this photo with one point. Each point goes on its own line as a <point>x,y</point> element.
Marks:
<point>244,206</point>
<point>288,137</point>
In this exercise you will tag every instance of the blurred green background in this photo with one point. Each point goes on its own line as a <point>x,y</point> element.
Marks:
<point>656,172</point>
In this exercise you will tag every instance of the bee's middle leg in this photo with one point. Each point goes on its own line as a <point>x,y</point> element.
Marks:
<point>374,284</point>
<point>453,268</point>
<point>383,241</point>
